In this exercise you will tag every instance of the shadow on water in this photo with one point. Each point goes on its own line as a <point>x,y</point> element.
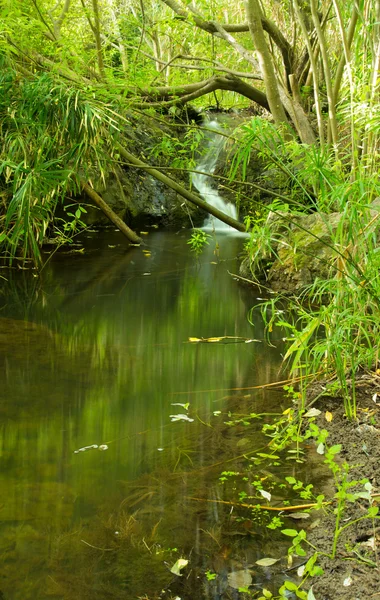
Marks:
<point>96,352</point>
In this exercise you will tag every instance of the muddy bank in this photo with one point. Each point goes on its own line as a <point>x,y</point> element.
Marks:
<point>353,574</point>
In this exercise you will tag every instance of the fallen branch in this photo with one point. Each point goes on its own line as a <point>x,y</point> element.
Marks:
<point>110,214</point>
<point>259,506</point>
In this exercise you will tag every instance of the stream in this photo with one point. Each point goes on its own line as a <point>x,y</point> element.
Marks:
<point>128,435</point>
<point>96,351</point>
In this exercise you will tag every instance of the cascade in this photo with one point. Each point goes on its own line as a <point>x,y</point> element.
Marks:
<point>205,184</point>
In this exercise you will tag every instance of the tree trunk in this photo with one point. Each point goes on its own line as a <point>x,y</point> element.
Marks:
<point>265,60</point>
<point>123,227</point>
<point>97,39</point>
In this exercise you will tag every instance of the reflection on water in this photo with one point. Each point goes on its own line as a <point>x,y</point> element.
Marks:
<point>95,351</point>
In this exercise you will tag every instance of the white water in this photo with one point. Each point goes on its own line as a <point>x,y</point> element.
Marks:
<point>205,184</point>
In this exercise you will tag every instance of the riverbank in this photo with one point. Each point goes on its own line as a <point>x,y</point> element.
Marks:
<point>352,574</point>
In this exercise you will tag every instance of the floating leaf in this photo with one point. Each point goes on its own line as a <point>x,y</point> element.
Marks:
<point>265,495</point>
<point>328,416</point>
<point>313,412</point>
<point>181,418</point>
<point>298,515</point>
<point>267,562</point>
<point>243,442</point>
<point>185,406</point>
<point>239,579</point>
<point>181,563</point>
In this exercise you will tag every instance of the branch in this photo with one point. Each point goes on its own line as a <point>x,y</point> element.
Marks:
<point>187,93</point>
<point>210,26</point>
<point>190,196</point>
<point>215,66</point>
<point>248,55</point>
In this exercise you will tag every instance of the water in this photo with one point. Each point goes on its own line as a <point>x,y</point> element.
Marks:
<point>96,351</point>
<point>206,185</point>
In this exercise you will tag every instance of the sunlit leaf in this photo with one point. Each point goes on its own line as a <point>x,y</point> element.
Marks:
<point>313,412</point>
<point>266,495</point>
<point>180,564</point>
<point>310,595</point>
<point>321,448</point>
<point>267,562</point>
<point>180,418</point>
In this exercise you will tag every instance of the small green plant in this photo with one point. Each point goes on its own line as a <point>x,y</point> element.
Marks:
<point>198,240</point>
<point>210,576</point>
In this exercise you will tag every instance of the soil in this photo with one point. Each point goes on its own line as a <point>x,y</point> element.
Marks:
<point>349,576</point>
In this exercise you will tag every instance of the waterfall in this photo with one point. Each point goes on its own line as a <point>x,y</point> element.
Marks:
<point>205,184</point>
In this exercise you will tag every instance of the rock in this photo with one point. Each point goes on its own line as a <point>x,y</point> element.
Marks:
<point>302,250</point>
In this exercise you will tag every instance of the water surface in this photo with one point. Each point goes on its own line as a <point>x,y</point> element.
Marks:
<point>95,351</point>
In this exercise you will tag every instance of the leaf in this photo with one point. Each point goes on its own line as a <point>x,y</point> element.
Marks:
<point>266,495</point>
<point>321,448</point>
<point>313,412</point>
<point>181,563</point>
<point>267,562</point>
<point>328,416</point>
<point>193,339</point>
<point>310,595</point>
<point>299,515</point>
<point>180,418</point>
<point>289,532</point>
<point>239,579</point>
<point>185,406</point>
<point>335,449</point>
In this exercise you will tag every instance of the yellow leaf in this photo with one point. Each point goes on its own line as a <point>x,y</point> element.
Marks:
<point>194,339</point>
<point>287,411</point>
<point>144,232</point>
<point>214,339</point>
<point>328,416</point>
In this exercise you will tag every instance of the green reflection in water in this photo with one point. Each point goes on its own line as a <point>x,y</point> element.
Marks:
<point>95,351</point>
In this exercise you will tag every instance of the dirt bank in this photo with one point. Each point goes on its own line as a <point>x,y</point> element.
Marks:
<point>353,574</point>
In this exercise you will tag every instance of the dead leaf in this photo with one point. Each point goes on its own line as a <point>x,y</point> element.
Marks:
<point>180,564</point>
<point>313,412</point>
<point>298,515</point>
<point>265,495</point>
<point>267,562</point>
<point>239,579</point>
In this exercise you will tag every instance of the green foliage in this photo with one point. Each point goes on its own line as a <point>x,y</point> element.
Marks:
<point>49,134</point>
<point>199,239</point>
